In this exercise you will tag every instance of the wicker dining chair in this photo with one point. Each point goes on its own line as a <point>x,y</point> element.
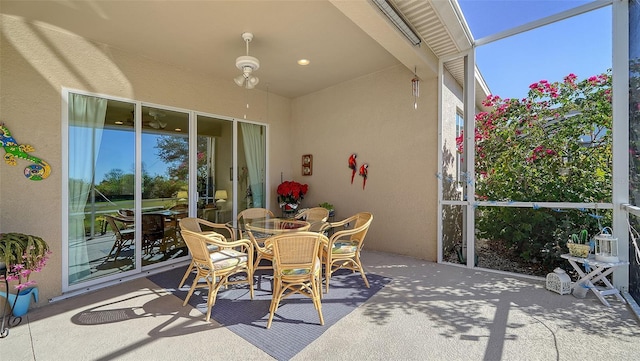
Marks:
<point>344,246</point>
<point>156,232</point>
<point>251,214</point>
<point>296,268</point>
<point>315,214</point>
<point>216,267</point>
<point>263,249</point>
<point>124,237</point>
<point>196,225</point>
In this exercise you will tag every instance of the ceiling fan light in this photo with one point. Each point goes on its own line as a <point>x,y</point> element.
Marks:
<point>253,80</point>
<point>239,80</point>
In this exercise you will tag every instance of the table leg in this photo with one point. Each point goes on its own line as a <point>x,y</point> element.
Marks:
<point>609,289</point>
<point>598,274</point>
<point>598,293</point>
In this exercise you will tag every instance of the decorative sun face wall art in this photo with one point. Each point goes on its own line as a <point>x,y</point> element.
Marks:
<point>307,164</point>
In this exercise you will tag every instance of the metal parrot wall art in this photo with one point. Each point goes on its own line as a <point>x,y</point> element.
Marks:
<point>353,165</point>
<point>364,172</point>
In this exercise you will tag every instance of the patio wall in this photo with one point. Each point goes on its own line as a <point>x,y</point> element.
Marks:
<point>374,117</point>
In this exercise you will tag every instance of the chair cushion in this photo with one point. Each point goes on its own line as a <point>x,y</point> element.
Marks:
<point>344,247</point>
<point>302,271</point>
<point>228,258</point>
<point>212,247</point>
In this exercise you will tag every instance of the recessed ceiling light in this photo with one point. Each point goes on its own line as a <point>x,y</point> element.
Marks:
<point>178,129</point>
<point>119,122</point>
<point>303,62</point>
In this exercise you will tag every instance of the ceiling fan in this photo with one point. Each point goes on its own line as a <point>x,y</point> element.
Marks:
<point>247,64</point>
<point>154,123</point>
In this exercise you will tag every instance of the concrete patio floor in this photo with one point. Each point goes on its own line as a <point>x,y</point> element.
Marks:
<point>429,311</point>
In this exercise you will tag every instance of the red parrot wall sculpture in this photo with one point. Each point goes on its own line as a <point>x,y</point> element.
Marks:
<point>353,165</point>
<point>364,170</point>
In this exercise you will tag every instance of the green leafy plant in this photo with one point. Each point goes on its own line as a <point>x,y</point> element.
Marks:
<point>22,255</point>
<point>326,205</point>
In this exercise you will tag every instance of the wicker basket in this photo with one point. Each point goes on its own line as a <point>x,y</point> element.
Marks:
<point>579,250</point>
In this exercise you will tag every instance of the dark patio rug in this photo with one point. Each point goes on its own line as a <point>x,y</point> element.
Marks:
<point>295,321</point>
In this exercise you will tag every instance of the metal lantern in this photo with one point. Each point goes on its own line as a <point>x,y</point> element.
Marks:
<point>559,282</point>
<point>606,249</point>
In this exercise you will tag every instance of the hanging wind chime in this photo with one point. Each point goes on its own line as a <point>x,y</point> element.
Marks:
<point>415,88</point>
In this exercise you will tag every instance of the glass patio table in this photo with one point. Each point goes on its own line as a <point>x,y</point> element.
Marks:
<point>261,229</point>
<point>276,226</point>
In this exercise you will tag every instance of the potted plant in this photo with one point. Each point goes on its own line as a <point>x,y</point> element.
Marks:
<point>329,207</point>
<point>21,255</point>
<point>578,244</point>
<point>290,193</point>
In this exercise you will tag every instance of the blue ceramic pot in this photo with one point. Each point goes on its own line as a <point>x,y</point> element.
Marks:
<point>23,301</point>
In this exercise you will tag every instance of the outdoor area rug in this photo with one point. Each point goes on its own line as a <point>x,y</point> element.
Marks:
<point>296,320</point>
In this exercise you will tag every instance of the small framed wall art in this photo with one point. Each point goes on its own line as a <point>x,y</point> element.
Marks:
<point>307,164</point>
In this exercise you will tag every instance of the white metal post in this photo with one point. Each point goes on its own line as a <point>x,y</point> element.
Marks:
<point>620,177</point>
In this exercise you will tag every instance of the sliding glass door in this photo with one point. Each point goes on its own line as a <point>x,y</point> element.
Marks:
<point>135,169</point>
<point>165,183</point>
<point>101,174</point>
<point>214,159</point>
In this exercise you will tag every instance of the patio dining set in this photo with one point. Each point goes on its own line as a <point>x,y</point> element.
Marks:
<point>303,253</point>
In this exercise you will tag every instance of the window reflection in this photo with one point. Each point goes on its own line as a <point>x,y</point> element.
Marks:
<point>105,239</point>
<point>101,188</point>
<point>165,183</point>
<point>215,159</point>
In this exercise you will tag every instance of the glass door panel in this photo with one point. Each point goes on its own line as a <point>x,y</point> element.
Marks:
<point>165,191</point>
<point>215,169</point>
<point>101,188</point>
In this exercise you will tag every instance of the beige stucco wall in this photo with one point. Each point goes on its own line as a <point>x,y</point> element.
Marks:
<point>374,117</point>
<point>452,97</point>
<point>36,62</point>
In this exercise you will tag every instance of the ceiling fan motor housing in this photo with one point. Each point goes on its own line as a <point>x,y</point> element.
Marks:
<point>247,63</point>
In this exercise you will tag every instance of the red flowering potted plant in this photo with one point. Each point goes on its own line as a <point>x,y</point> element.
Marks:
<point>20,256</point>
<point>290,194</point>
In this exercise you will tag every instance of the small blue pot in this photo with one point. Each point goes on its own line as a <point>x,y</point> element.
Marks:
<point>23,301</point>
